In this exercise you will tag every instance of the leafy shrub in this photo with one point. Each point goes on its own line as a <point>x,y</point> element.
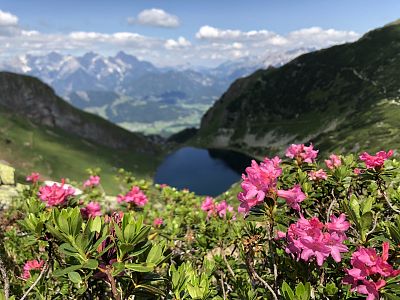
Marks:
<point>296,230</point>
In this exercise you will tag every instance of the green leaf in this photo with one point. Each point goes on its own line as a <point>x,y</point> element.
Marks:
<point>331,289</point>
<point>355,206</point>
<point>62,272</point>
<point>367,205</point>
<point>140,267</point>
<point>95,225</point>
<point>152,289</point>
<point>91,264</point>
<point>366,221</point>
<point>389,296</point>
<point>75,277</point>
<point>287,291</point>
<point>155,254</point>
<point>300,289</point>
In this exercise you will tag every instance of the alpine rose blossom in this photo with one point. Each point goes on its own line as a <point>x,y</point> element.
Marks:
<point>369,271</point>
<point>258,182</point>
<point>31,265</point>
<point>310,239</point>
<point>293,196</point>
<point>34,177</point>
<point>375,161</point>
<point>92,181</point>
<point>158,222</point>
<point>135,195</point>
<point>222,208</point>
<point>317,175</point>
<point>91,210</point>
<point>333,162</point>
<point>302,153</point>
<point>338,224</point>
<point>213,208</point>
<point>55,194</point>
<point>208,205</point>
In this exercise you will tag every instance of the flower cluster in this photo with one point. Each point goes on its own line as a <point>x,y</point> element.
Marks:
<point>56,194</point>
<point>293,196</point>
<point>158,222</point>
<point>92,181</point>
<point>34,177</point>
<point>31,265</point>
<point>135,195</point>
<point>309,239</point>
<point>317,175</point>
<point>369,270</point>
<point>375,161</point>
<point>333,162</point>
<point>213,208</point>
<point>302,153</point>
<point>260,182</point>
<point>91,210</point>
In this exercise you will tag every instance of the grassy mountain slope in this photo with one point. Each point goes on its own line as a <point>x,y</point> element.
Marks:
<point>29,97</point>
<point>346,97</point>
<point>61,141</point>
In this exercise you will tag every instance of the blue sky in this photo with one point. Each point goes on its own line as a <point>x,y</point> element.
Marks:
<point>53,18</point>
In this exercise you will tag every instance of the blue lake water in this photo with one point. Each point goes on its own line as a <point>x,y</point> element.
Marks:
<point>203,171</point>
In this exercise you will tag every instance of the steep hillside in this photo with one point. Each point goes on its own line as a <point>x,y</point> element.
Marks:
<point>344,97</point>
<point>29,97</point>
<point>41,132</point>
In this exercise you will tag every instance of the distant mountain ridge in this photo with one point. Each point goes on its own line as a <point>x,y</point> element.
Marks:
<point>346,97</point>
<point>136,94</point>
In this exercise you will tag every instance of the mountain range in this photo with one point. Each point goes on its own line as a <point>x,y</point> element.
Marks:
<point>137,94</point>
<point>344,98</point>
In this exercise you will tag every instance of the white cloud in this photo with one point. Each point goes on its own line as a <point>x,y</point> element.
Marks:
<point>8,19</point>
<point>210,46</point>
<point>320,37</point>
<point>155,17</point>
<point>211,33</point>
<point>180,43</point>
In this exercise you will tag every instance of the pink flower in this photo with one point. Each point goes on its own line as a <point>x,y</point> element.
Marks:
<point>338,223</point>
<point>377,160</point>
<point>293,196</point>
<point>369,269</point>
<point>135,195</point>
<point>34,177</point>
<point>163,185</point>
<point>317,175</point>
<point>258,183</point>
<point>307,239</point>
<point>55,194</point>
<point>302,153</point>
<point>31,265</point>
<point>357,171</point>
<point>208,204</point>
<point>92,181</point>
<point>158,222</point>
<point>222,208</point>
<point>280,235</point>
<point>334,161</point>
<point>91,210</point>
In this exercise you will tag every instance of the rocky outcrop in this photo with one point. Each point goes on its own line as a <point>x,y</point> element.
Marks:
<point>9,190</point>
<point>29,97</point>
